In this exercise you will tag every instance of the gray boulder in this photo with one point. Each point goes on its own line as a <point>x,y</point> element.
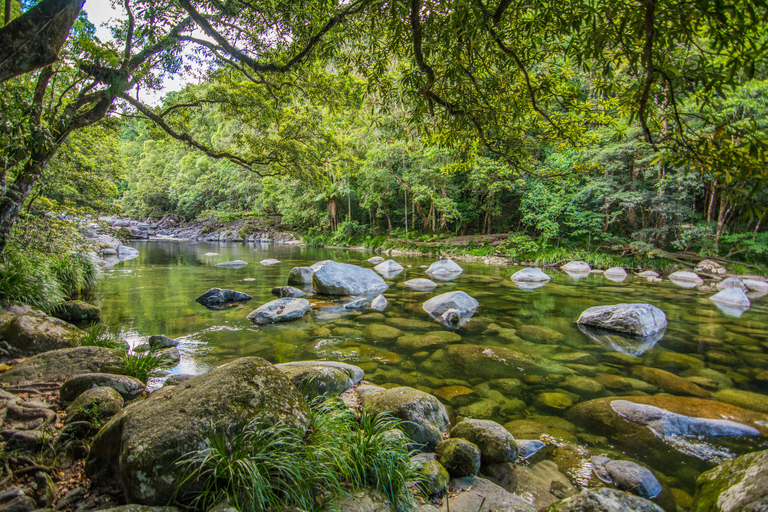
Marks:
<point>280,310</point>
<point>128,387</point>
<point>732,297</point>
<point>95,404</point>
<point>496,444</point>
<point>530,275</point>
<point>685,278</point>
<point>388,267</point>
<point>217,296</point>
<point>126,253</point>
<point>315,378</point>
<point>604,499</point>
<point>138,453</point>
<point>60,365</point>
<point>300,275</point>
<point>444,267</point>
<point>270,261</point>
<point>379,303</point>
<point>376,260</point>
<point>736,485</point>
<point>420,284</point>
<point>464,306</point>
<point>342,279</point>
<point>159,342</point>
<point>232,264</point>
<point>576,267</point>
<point>732,282</point>
<point>632,319</point>
<point>426,419</point>
<point>32,332</point>
<point>287,291</point>
<point>627,476</point>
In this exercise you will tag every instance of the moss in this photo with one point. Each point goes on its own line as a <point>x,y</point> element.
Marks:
<point>458,456</point>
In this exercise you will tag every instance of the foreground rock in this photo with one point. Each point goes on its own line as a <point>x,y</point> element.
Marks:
<point>232,264</point>
<point>342,279</point>
<point>631,319</point>
<point>76,311</point>
<point>138,453</point>
<point>459,457</point>
<point>473,493</point>
<point>29,332</point>
<point>128,387</point>
<point>441,307</point>
<point>316,378</point>
<point>737,485</point>
<point>280,310</point>
<point>530,275</point>
<point>300,275</point>
<point>604,500</point>
<point>426,418</point>
<point>63,364</point>
<point>217,297</point>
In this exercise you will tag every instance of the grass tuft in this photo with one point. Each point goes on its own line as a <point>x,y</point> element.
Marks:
<point>140,366</point>
<point>99,335</point>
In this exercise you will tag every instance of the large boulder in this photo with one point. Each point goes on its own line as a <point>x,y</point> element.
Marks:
<point>300,275</point>
<point>631,319</point>
<point>315,378</point>
<point>604,499</point>
<point>628,476</point>
<point>737,485</point>
<point>76,311</point>
<point>495,442</point>
<point>217,296</point>
<point>60,365</point>
<point>342,279</point>
<point>732,296</point>
<point>280,310</point>
<point>425,418</point>
<point>530,275</point>
<point>460,303</point>
<point>139,454</point>
<point>33,332</point>
<point>128,387</point>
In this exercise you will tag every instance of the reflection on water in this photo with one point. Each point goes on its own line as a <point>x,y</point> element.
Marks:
<point>520,360</point>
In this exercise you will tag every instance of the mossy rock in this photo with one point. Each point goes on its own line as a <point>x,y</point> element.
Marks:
<point>137,450</point>
<point>62,364</point>
<point>435,477</point>
<point>33,332</point>
<point>456,396</point>
<point>488,363</point>
<point>76,311</point>
<point>538,334</point>
<point>95,405</point>
<point>410,324</point>
<point>459,457</point>
<point>322,378</point>
<point>377,333</point>
<point>420,342</point>
<point>495,443</point>
<point>739,484</point>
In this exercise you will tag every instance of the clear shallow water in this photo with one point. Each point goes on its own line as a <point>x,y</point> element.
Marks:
<point>154,294</point>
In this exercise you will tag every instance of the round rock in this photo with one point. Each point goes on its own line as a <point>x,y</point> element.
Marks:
<point>280,310</point>
<point>495,443</point>
<point>420,284</point>
<point>128,387</point>
<point>459,457</point>
<point>95,404</point>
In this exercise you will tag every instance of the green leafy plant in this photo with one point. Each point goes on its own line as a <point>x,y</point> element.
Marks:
<point>27,278</point>
<point>140,366</point>
<point>99,335</point>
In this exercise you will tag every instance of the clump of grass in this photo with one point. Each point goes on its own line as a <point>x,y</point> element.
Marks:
<point>99,335</point>
<point>140,366</point>
<point>27,278</point>
<point>266,467</point>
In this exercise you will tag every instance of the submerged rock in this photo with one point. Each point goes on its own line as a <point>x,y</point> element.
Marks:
<point>527,275</point>
<point>300,275</point>
<point>632,319</point>
<point>737,485</point>
<point>487,363</point>
<point>670,382</point>
<point>139,448</point>
<point>420,284</point>
<point>217,296</point>
<point>232,264</point>
<point>280,310</point>
<point>342,279</point>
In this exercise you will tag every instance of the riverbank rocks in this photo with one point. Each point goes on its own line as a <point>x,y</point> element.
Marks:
<point>95,404</point>
<point>684,277</point>
<point>232,264</point>
<point>530,275</point>
<point>487,363</point>
<point>280,310</point>
<point>710,267</point>
<point>128,387</point>
<point>444,267</point>
<point>76,311</point>
<point>287,291</point>
<point>631,319</point>
<point>435,477</point>
<point>459,457</point>
<point>342,279</point>
<point>217,297</point>
<point>732,297</point>
<point>604,499</point>
<point>426,419</point>
<point>318,378</point>
<point>60,365</point>
<point>692,428</point>
<point>300,275</point>
<point>464,305</point>
<point>387,267</point>
<point>577,267</point>
<point>29,332</point>
<point>737,485</point>
<point>138,453</point>
<point>495,443</point>
<point>421,285</point>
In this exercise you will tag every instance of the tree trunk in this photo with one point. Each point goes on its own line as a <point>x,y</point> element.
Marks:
<point>15,195</point>
<point>721,220</point>
<point>712,196</point>
<point>389,222</point>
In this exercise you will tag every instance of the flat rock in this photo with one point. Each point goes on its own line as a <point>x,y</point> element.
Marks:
<point>232,264</point>
<point>32,332</point>
<point>420,284</point>
<point>488,363</point>
<point>686,276</point>
<point>732,297</point>
<point>342,279</point>
<point>468,494</point>
<point>60,365</point>
<point>217,296</point>
<point>128,387</point>
<point>632,319</point>
<point>604,499</point>
<point>280,310</point>
<point>530,275</point>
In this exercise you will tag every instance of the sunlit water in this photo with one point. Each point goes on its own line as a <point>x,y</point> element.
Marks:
<point>154,294</point>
